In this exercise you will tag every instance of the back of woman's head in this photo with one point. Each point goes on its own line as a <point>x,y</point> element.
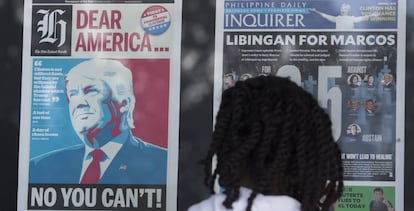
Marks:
<point>272,132</point>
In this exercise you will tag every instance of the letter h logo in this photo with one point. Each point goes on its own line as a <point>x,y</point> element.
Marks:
<point>51,27</point>
<point>51,30</point>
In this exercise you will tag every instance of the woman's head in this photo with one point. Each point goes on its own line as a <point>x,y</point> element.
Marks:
<point>274,135</point>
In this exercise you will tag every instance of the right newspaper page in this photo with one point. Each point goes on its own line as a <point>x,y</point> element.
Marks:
<point>351,56</point>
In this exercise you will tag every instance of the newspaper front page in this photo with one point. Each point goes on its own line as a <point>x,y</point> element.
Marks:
<point>350,56</point>
<point>100,104</point>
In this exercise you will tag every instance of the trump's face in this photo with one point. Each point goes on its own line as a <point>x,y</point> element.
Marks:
<point>90,105</point>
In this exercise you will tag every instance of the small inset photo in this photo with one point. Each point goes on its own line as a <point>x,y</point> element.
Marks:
<point>379,201</point>
<point>370,81</point>
<point>353,106</point>
<point>353,129</point>
<point>387,80</point>
<point>370,106</point>
<point>354,80</point>
<point>229,80</point>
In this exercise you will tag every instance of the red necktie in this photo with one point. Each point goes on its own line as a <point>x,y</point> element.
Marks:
<point>93,172</point>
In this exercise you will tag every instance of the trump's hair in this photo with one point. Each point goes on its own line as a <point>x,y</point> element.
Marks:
<point>114,74</point>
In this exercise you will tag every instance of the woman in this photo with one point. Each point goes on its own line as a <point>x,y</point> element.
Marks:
<point>274,148</point>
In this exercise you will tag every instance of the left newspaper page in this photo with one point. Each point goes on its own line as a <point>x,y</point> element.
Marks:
<point>100,105</point>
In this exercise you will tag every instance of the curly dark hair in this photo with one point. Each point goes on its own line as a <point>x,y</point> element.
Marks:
<point>273,132</point>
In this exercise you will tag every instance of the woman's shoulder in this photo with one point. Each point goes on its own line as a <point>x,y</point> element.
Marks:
<point>261,202</point>
<point>212,203</point>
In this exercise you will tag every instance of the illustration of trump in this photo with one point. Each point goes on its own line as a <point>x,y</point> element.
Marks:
<point>101,102</point>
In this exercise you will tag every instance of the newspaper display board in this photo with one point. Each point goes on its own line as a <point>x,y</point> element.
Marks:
<point>350,56</point>
<point>100,105</point>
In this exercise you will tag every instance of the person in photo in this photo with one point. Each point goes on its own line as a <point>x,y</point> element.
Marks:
<point>229,80</point>
<point>354,106</point>
<point>387,81</point>
<point>344,21</point>
<point>101,103</point>
<point>370,82</point>
<point>353,130</point>
<point>379,203</point>
<point>370,106</point>
<point>354,80</point>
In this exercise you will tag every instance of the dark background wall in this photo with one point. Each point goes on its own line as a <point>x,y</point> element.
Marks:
<point>196,99</point>
<point>10,74</point>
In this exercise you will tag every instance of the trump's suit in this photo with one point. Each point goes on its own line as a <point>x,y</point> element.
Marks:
<point>137,162</point>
